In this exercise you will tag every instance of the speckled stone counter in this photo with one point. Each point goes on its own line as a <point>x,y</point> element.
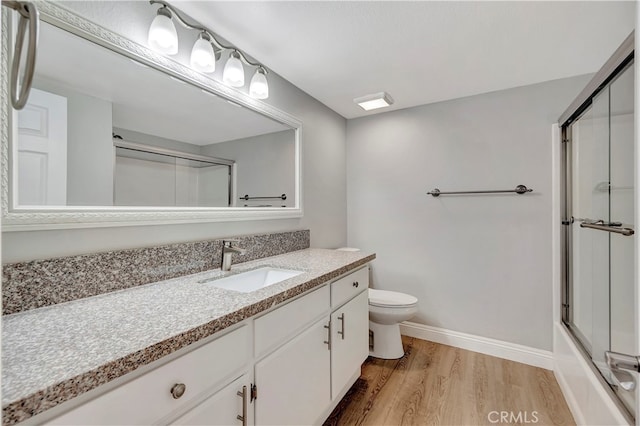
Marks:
<point>31,285</point>
<point>55,353</point>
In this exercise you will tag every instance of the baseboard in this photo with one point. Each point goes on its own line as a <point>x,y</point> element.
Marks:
<point>483,345</point>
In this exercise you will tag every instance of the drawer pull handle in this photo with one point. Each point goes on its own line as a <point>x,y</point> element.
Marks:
<point>341,318</point>
<point>328,341</point>
<point>178,390</point>
<point>243,417</point>
<point>356,284</point>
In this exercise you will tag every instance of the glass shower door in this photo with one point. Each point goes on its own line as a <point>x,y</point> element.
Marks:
<point>602,292</point>
<point>622,287</point>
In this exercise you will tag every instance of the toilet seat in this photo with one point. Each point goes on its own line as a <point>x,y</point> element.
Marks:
<point>391,299</point>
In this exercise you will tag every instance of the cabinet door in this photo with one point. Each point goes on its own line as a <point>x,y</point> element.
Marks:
<point>294,381</point>
<point>224,407</point>
<point>350,341</point>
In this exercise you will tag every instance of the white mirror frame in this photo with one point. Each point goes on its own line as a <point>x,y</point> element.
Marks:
<point>53,217</point>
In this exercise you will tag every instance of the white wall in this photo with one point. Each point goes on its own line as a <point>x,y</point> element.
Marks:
<point>323,166</point>
<point>265,166</point>
<point>90,159</point>
<point>478,264</point>
<point>89,147</point>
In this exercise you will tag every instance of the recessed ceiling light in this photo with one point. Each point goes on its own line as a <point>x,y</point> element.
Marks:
<point>374,101</point>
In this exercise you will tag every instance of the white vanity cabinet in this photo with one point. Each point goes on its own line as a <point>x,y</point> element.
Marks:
<point>349,342</point>
<point>302,380</point>
<point>300,358</point>
<point>349,329</point>
<point>293,361</point>
<point>293,382</point>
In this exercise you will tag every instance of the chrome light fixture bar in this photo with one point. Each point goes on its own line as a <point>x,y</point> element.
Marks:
<point>206,50</point>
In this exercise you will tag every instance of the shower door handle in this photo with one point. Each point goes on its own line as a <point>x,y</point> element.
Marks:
<point>618,361</point>
<point>620,368</point>
<point>600,225</point>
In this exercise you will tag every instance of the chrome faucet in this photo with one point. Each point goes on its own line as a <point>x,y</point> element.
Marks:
<point>228,249</point>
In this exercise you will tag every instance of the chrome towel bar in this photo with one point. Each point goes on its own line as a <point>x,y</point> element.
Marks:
<point>520,189</point>
<point>281,197</point>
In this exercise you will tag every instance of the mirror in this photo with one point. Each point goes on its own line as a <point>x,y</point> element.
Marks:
<point>107,131</point>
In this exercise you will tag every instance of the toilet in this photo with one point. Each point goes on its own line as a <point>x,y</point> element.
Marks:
<point>387,309</point>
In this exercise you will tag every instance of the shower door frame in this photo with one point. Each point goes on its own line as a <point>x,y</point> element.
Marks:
<point>619,61</point>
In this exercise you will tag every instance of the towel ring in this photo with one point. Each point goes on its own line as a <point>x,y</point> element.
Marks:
<point>28,15</point>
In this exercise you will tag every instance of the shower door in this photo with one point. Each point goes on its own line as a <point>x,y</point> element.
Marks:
<point>600,301</point>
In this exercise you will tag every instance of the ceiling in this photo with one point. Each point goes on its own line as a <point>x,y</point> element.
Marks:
<point>422,51</point>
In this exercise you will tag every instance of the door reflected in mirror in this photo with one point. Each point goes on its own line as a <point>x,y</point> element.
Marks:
<point>103,130</point>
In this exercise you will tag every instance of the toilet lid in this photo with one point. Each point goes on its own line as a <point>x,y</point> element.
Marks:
<point>390,298</point>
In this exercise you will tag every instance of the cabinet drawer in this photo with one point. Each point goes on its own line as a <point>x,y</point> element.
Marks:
<point>276,327</point>
<point>349,286</point>
<point>148,398</point>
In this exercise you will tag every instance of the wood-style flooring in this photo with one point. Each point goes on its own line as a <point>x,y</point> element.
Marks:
<point>435,384</point>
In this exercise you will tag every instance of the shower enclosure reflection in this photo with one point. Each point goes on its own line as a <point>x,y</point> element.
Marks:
<point>152,177</point>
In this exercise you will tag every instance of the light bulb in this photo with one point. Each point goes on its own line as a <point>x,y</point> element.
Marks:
<point>259,87</point>
<point>162,33</point>
<point>203,58</point>
<point>233,74</point>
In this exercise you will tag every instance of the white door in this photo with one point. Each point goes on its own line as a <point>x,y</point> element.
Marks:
<point>294,382</point>
<point>350,328</point>
<point>42,150</point>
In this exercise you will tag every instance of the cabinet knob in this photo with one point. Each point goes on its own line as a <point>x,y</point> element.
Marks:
<point>178,390</point>
<point>356,284</point>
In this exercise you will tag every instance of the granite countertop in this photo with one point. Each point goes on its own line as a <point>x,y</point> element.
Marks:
<point>55,353</point>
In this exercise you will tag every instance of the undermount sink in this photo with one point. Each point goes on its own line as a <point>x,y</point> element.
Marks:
<point>249,281</point>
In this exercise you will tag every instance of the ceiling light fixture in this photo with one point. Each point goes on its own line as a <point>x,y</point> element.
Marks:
<point>206,50</point>
<point>374,101</point>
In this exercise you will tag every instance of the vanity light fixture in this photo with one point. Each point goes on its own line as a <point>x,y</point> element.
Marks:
<point>374,101</point>
<point>206,50</point>
<point>259,88</point>
<point>233,73</point>
<point>162,33</point>
<point>203,58</point>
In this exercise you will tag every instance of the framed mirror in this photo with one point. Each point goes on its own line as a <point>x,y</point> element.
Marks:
<point>116,134</point>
